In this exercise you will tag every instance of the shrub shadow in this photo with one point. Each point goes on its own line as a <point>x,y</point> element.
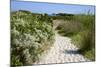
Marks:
<point>71,52</point>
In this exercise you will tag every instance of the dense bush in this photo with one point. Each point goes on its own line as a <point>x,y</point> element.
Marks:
<point>31,35</point>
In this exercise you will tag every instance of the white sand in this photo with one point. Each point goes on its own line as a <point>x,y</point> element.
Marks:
<point>62,51</point>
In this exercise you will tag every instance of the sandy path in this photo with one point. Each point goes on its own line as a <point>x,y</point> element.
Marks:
<point>62,51</point>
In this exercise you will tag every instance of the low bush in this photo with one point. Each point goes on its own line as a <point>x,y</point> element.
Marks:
<point>31,35</point>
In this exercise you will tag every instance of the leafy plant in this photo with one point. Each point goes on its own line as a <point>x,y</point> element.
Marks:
<point>30,33</point>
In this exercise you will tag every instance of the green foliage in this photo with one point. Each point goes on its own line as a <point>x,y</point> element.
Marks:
<point>86,37</point>
<point>90,54</point>
<point>62,16</point>
<point>86,20</point>
<point>81,28</point>
<point>31,35</point>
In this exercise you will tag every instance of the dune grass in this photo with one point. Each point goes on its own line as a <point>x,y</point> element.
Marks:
<point>81,28</point>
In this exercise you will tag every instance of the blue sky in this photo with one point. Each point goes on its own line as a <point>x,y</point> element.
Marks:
<point>40,7</point>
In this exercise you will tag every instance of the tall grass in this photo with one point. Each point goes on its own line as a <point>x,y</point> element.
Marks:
<point>87,36</point>
<point>81,28</point>
<point>68,28</point>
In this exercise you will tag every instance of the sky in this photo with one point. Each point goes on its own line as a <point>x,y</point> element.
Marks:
<point>50,8</point>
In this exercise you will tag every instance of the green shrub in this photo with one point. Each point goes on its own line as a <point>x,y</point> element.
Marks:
<point>31,35</point>
<point>90,54</point>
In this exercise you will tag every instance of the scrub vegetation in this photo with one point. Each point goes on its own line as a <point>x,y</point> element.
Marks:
<point>34,33</point>
<point>31,35</point>
<point>81,28</point>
